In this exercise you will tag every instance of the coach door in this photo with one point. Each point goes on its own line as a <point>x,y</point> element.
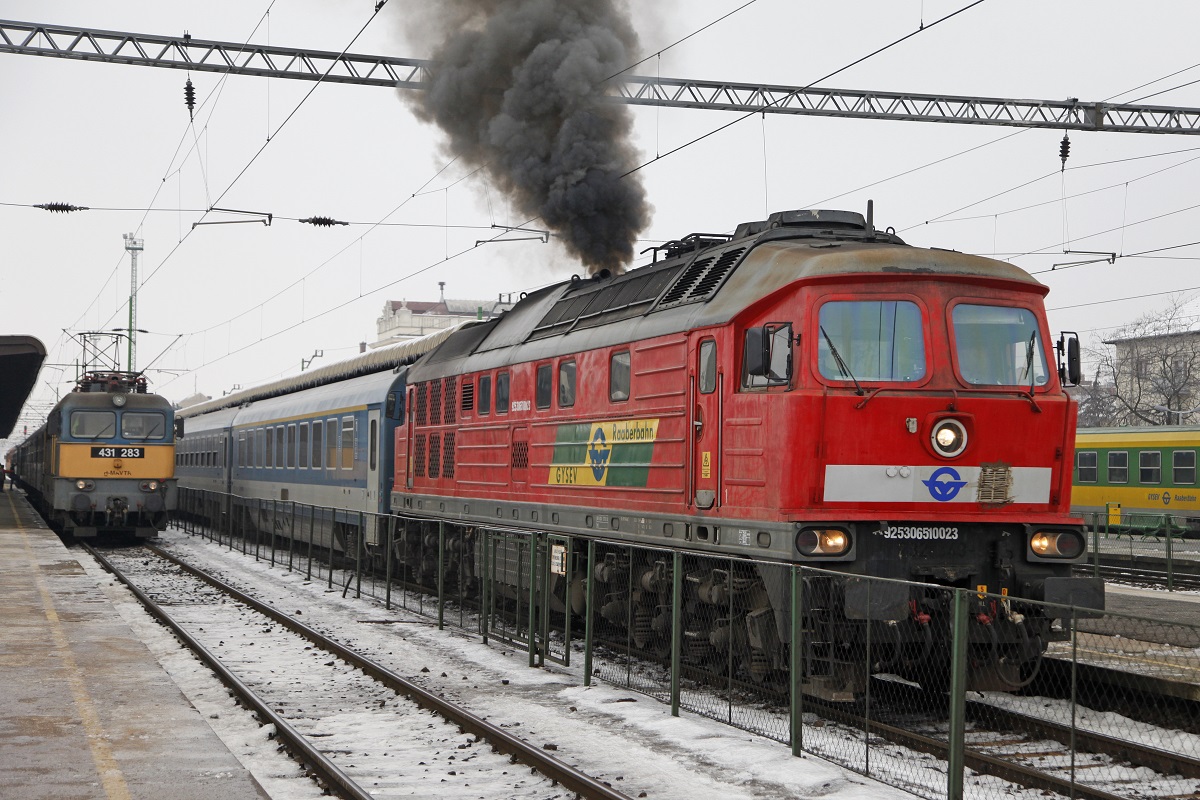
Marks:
<point>373,506</point>
<point>706,427</point>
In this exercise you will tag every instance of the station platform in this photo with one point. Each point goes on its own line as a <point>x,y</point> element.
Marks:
<point>85,709</point>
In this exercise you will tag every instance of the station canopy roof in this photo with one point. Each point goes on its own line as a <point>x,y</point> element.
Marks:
<point>20,359</point>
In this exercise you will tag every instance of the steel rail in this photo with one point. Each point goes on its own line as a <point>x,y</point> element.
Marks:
<point>325,769</point>
<point>571,778</point>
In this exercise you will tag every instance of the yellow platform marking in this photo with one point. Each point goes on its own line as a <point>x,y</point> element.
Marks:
<point>106,764</point>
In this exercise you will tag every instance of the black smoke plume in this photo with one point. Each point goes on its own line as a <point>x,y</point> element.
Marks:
<point>518,87</point>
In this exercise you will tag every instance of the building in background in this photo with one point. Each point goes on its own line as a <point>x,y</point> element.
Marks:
<point>404,319</point>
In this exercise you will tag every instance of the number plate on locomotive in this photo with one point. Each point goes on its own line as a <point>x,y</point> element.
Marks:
<point>118,452</point>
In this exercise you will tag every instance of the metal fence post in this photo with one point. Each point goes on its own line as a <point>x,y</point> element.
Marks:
<point>387,570</point>
<point>441,574</point>
<point>590,596</point>
<point>676,628</point>
<point>1170,560</point>
<point>1074,686</point>
<point>795,694</point>
<point>291,535</point>
<point>360,544</point>
<point>533,547</point>
<point>332,530</point>
<point>958,685</point>
<point>485,591</point>
<point>312,521</point>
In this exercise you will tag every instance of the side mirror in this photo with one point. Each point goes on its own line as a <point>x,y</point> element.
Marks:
<point>758,352</point>
<point>1070,373</point>
<point>178,427</point>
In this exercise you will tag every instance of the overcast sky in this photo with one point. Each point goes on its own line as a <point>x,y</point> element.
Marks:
<point>244,304</point>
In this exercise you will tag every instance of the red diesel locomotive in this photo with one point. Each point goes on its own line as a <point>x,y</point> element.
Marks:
<point>808,390</point>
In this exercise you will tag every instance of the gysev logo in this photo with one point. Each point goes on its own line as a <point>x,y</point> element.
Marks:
<point>614,453</point>
<point>944,484</point>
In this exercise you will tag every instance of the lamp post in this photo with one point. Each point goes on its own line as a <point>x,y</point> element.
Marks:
<point>1179,415</point>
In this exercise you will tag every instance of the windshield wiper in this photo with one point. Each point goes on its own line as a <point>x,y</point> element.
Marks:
<point>1029,350</point>
<point>858,390</point>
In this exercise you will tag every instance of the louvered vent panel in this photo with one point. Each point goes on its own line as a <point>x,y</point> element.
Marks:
<point>715,275</point>
<point>448,456</point>
<point>419,456</point>
<point>451,394</point>
<point>468,396</point>
<point>685,282</point>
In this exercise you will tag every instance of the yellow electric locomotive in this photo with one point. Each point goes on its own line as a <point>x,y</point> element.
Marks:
<point>104,462</point>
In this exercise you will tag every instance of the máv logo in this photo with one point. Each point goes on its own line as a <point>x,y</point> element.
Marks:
<point>944,484</point>
<point>598,454</point>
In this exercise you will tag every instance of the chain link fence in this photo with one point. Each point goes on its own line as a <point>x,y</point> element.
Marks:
<point>1160,550</point>
<point>941,691</point>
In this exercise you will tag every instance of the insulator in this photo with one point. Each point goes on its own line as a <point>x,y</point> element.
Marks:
<point>324,222</point>
<point>1064,150</point>
<point>189,96</point>
<point>60,207</point>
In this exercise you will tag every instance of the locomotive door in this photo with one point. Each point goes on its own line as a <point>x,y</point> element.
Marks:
<point>706,427</point>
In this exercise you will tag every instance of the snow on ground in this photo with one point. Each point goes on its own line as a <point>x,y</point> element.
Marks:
<point>627,739</point>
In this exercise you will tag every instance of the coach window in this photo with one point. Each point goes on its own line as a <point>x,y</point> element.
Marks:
<point>1183,472</point>
<point>566,384</point>
<point>318,443</point>
<point>348,442</point>
<point>502,393</point>
<point>241,449</point>
<point>249,447</point>
<point>303,454</point>
<point>545,385</point>
<point>1118,466</point>
<point>708,366</point>
<point>264,452</point>
<point>280,448</point>
<point>331,443</point>
<point>291,446</point>
<point>618,376</point>
<point>485,395</point>
<point>1086,463</point>
<point>270,452</point>
<point>93,424</point>
<point>1149,462</point>
<point>143,425</point>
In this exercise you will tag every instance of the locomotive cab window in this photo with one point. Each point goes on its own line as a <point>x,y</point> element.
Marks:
<point>998,346</point>
<point>1086,464</point>
<point>767,356</point>
<point>545,385</point>
<point>93,424</point>
<point>871,341</point>
<point>1118,466</point>
<point>1183,467</point>
<point>618,377</point>
<point>143,425</point>
<point>566,384</point>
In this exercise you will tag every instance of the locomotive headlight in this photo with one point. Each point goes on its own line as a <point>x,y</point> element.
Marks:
<point>823,542</point>
<point>118,400</point>
<point>149,486</point>
<point>84,485</point>
<point>1056,544</point>
<point>949,438</point>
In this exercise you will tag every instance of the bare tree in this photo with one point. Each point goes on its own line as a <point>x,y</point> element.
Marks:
<point>1154,364</point>
<point>1098,405</point>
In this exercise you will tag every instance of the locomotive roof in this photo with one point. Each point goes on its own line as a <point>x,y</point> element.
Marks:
<point>705,280</point>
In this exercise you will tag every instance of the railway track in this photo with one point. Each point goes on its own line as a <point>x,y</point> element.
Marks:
<point>350,721</point>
